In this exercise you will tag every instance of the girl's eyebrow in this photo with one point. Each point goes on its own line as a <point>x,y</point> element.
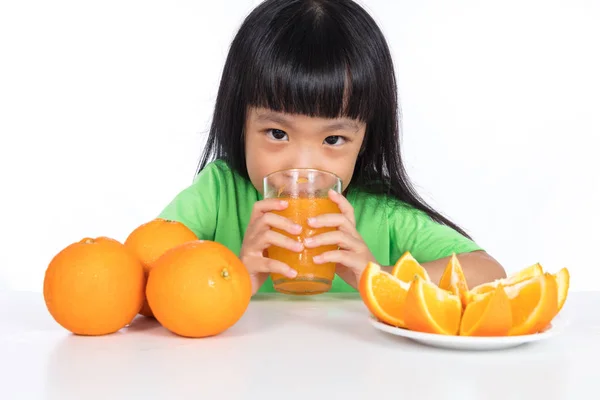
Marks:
<point>343,124</point>
<point>273,117</point>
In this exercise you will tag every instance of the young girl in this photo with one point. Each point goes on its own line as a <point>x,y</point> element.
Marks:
<point>310,83</point>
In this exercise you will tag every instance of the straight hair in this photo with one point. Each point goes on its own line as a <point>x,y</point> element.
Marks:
<point>323,58</point>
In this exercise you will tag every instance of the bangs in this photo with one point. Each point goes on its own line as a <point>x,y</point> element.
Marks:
<point>311,67</point>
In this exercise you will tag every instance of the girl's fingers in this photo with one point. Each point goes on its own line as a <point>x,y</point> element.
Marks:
<point>270,220</point>
<point>344,205</point>
<point>258,265</point>
<point>272,238</point>
<point>344,257</point>
<point>280,268</point>
<point>337,237</point>
<point>266,205</point>
<point>332,221</point>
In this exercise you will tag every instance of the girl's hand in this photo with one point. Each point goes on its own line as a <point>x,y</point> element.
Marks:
<point>259,237</point>
<point>353,254</point>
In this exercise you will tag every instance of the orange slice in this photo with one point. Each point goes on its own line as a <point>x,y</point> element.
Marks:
<point>526,273</point>
<point>407,267</point>
<point>519,276</point>
<point>383,294</point>
<point>489,316</point>
<point>427,308</point>
<point>533,303</point>
<point>562,289</point>
<point>453,280</point>
<point>562,282</point>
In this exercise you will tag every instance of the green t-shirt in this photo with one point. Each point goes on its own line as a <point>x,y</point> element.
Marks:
<point>218,204</point>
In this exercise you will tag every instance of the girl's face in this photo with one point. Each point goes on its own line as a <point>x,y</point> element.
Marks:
<point>276,141</point>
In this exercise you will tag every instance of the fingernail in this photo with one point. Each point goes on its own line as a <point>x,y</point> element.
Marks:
<point>308,240</point>
<point>297,228</point>
<point>298,246</point>
<point>293,273</point>
<point>312,220</point>
<point>318,259</point>
<point>283,203</point>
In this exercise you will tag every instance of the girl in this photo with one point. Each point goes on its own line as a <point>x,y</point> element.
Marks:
<point>310,83</point>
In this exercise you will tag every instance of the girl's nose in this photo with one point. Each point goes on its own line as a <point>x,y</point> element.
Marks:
<point>305,158</point>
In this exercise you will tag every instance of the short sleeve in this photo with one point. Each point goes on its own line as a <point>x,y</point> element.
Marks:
<point>196,205</point>
<point>427,240</point>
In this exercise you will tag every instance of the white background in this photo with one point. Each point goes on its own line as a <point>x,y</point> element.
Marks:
<point>104,108</point>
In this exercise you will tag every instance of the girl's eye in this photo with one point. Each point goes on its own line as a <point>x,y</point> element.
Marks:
<point>277,134</point>
<point>335,140</point>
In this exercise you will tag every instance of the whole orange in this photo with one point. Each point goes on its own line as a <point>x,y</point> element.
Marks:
<point>150,240</point>
<point>94,286</point>
<point>198,289</point>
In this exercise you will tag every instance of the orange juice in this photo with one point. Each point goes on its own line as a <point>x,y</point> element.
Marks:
<point>312,278</point>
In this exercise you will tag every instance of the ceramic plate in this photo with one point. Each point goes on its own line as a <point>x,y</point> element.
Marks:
<point>469,343</point>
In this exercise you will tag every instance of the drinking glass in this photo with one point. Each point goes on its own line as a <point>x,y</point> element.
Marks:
<point>306,191</point>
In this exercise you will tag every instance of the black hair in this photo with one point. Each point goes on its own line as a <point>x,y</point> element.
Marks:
<point>324,58</point>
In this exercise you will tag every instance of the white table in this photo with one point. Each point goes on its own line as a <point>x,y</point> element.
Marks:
<point>287,348</point>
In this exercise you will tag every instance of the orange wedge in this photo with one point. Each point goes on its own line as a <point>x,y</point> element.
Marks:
<point>526,273</point>
<point>383,294</point>
<point>562,282</point>
<point>562,289</point>
<point>427,308</point>
<point>407,267</point>
<point>519,276</point>
<point>489,316</point>
<point>533,303</point>
<point>453,280</point>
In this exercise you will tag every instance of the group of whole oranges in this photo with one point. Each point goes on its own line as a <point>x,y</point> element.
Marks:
<point>194,288</point>
<point>524,303</point>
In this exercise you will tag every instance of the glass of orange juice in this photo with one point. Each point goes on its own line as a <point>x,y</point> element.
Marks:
<point>306,191</point>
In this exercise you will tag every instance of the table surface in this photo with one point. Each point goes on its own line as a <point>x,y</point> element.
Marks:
<point>287,347</point>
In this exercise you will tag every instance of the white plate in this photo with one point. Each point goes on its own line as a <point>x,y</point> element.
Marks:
<point>469,343</point>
